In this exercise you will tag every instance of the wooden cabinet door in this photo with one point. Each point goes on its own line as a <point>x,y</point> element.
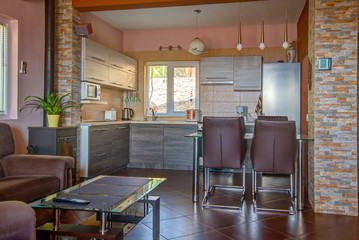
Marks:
<point>216,70</point>
<point>178,150</point>
<point>120,146</point>
<point>131,65</point>
<point>95,72</point>
<point>247,73</point>
<point>117,60</point>
<point>117,78</point>
<point>99,150</point>
<point>147,145</point>
<point>131,81</point>
<point>95,51</point>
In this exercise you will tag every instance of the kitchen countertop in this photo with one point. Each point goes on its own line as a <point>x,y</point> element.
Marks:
<point>98,123</point>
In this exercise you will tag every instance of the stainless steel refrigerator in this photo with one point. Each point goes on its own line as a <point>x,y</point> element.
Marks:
<point>281,91</point>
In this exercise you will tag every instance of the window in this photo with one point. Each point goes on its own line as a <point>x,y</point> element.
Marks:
<point>172,87</point>
<point>8,67</point>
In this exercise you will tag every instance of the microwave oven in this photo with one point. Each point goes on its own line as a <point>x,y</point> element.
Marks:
<point>90,91</point>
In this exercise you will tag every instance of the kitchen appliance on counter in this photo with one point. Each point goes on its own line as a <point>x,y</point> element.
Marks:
<point>243,112</point>
<point>90,91</point>
<point>193,115</point>
<point>110,115</point>
<point>127,113</point>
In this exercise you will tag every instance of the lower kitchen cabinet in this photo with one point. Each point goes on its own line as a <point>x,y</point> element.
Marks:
<point>104,149</point>
<point>161,146</point>
<point>146,147</point>
<point>120,146</point>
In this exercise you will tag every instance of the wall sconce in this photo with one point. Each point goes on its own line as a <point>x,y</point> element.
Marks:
<point>170,48</point>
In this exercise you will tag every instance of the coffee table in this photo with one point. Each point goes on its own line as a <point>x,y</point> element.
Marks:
<point>110,197</point>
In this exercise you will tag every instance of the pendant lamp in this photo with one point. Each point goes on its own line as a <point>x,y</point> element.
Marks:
<point>285,43</point>
<point>239,45</point>
<point>262,45</point>
<point>196,46</point>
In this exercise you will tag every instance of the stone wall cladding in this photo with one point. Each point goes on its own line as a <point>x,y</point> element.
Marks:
<point>335,108</point>
<point>67,58</point>
<point>68,62</point>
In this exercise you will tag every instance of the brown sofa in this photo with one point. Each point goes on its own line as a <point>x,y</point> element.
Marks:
<point>17,221</point>
<point>25,177</point>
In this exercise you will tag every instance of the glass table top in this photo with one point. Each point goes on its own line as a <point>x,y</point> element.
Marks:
<point>112,194</point>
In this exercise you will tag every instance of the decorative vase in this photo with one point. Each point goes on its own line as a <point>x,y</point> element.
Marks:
<point>291,55</point>
<point>53,120</point>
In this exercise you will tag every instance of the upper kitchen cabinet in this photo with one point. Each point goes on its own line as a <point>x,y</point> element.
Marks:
<point>247,73</point>
<point>216,70</point>
<point>107,67</point>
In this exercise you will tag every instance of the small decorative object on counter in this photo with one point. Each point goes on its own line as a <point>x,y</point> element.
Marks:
<point>53,105</point>
<point>259,106</point>
<point>291,52</point>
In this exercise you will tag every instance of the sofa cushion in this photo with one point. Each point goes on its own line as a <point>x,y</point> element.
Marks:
<point>27,188</point>
<point>6,140</point>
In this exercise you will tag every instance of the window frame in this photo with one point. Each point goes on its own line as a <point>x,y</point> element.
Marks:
<point>170,86</point>
<point>11,74</point>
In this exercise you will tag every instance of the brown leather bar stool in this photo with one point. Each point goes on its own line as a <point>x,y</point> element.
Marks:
<point>273,118</point>
<point>274,150</point>
<point>223,147</point>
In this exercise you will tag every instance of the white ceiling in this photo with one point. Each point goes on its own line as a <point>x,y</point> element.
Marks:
<point>213,15</point>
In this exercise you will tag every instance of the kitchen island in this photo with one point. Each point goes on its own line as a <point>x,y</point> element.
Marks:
<point>108,146</point>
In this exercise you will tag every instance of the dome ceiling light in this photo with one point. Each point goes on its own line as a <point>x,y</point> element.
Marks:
<point>196,46</point>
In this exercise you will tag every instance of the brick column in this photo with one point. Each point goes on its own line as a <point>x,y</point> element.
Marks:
<point>67,58</point>
<point>335,108</point>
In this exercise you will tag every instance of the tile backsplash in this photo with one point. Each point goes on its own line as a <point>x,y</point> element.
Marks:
<point>222,100</point>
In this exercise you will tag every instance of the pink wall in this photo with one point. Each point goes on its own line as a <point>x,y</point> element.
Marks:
<point>30,15</point>
<point>103,32</point>
<point>214,38</point>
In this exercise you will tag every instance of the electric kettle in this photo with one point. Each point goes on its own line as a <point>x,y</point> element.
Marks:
<point>127,113</point>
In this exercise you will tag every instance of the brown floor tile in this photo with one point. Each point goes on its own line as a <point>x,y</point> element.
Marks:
<point>218,218</point>
<point>180,226</point>
<point>140,232</point>
<point>252,230</point>
<point>210,235</point>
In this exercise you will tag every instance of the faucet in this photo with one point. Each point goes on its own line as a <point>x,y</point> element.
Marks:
<point>154,117</point>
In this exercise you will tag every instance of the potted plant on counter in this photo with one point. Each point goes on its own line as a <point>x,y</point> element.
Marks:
<point>54,106</point>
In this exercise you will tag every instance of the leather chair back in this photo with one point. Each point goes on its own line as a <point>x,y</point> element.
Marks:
<point>6,140</point>
<point>274,147</point>
<point>273,118</point>
<point>223,142</point>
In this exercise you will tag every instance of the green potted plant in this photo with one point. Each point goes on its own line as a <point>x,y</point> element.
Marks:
<point>54,106</point>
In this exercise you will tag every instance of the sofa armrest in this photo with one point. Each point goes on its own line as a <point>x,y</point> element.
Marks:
<point>28,164</point>
<point>17,221</point>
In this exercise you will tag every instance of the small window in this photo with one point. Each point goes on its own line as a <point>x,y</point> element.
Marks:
<point>172,87</point>
<point>8,67</point>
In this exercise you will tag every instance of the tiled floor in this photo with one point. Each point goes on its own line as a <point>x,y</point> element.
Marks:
<point>183,219</point>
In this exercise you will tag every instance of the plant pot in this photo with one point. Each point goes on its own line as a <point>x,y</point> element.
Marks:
<point>53,120</point>
<point>291,55</point>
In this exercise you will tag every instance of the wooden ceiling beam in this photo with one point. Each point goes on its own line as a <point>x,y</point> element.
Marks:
<point>103,5</point>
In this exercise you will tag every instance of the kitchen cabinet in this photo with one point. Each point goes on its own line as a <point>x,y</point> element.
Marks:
<point>120,142</point>
<point>161,146</point>
<point>247,73</point>
<point>146,145</point>
<point>107,67</point>
<point>216,70</point>
<point>177,149</point>
<point>104,149</point>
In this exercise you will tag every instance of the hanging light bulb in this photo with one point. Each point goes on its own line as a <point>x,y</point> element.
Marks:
<point>285,43</point>
<point>262,45</point>
<point>239,46</point>
<point>196,46</point>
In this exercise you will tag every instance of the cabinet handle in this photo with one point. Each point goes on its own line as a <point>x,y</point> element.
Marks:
<point>131,71</point>
<point>98,59</point>
<point>96,79</point>
<point>101,154</point>
<point>216,77</point>
<point>121,128</point>
<point>101,130</point>
<point>115,65</point>
<point>117,83</point>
